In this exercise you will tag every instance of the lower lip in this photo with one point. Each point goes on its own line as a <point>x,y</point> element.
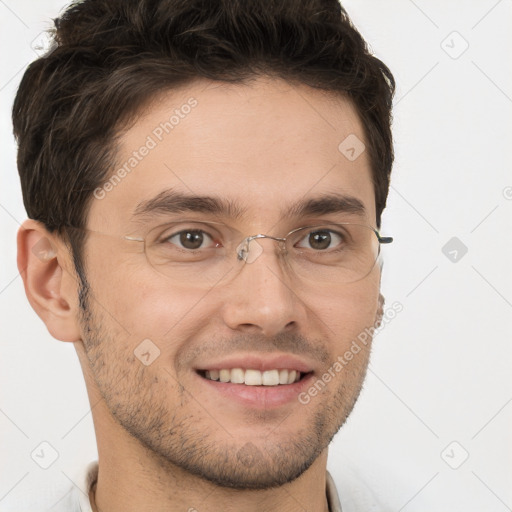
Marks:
<point>259,397</point>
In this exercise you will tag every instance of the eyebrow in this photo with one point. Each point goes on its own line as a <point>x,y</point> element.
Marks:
<point>171,201</point>
<point>331,203</point>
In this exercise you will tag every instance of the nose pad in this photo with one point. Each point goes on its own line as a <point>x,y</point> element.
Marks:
<point>249,250</point>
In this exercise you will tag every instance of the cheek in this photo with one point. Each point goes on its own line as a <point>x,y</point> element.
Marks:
<point>348,313</point>
<point>147,304</point>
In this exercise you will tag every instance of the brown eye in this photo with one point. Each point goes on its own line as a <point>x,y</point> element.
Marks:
<point>191,239</point>
<point>320,240</point>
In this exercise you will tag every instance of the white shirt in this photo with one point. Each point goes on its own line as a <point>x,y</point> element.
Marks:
<point>77,500</point>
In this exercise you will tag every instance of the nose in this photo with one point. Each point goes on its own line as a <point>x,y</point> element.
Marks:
<point>261,297</point>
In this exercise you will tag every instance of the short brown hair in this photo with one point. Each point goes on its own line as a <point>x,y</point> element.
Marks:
<point>111,56</point>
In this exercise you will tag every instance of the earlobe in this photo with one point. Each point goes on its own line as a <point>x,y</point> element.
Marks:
<point>44,265</point>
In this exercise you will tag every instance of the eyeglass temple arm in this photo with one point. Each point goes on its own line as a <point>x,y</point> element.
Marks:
<point>384,239</point>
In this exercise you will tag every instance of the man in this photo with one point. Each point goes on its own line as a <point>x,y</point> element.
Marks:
<point>205,183</point>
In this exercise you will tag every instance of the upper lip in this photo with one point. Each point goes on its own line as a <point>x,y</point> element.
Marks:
<point>259,362</point>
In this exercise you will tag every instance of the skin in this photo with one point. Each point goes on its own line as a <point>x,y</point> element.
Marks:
<point>166,441</point>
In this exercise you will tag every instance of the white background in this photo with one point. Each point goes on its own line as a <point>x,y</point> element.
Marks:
<point>440,370</point>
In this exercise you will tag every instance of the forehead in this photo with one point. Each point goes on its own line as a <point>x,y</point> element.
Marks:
<point>264,145</point>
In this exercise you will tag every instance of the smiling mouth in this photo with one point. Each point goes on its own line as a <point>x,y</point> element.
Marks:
<point>250,377</point>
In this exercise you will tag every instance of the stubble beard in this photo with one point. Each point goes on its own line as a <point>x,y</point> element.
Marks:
<point>179,439</point>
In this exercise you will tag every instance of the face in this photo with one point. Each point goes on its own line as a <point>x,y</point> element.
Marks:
<point>154,341</point>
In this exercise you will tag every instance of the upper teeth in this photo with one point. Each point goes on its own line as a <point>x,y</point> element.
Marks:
<point>254,377</point>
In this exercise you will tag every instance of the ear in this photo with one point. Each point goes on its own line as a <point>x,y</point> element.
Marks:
<point>45,264</point>
<point>380,311</point>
